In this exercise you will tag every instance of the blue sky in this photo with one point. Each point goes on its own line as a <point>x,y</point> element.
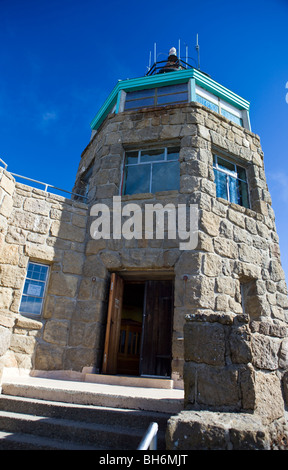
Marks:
<point>60,59</point>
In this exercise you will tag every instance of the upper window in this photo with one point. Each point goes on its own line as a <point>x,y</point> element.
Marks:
<point>162,96</point>
<point>34,289</point>
<point>231,182</point>
<point>232,117</point>
<point>209,104</point>
<point>149,171</point>
<point>218,105</point>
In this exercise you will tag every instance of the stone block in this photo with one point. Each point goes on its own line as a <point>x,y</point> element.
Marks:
<point>269,398</point>
<point>77,358</point>
<point>212,265</point>
<point>73,262</point>
<point>23,344</point>
<point>208,430</point>
<point>6,295</point>
<point>40,252</point>
<point>210,222</point>
<point>236,217</point>
<point>212,386</point>
<point>67,231</point>
<point>265,351</point>
<point>56,332</point>
<point>240,344</point>
<point>37,206</point>
<point>204,343</point>
<point>8,184</point>
<point>49,357</point>
<point>6,206</point>
<point>12,276</point>
<point>63,284</point>
<point>5,338</point>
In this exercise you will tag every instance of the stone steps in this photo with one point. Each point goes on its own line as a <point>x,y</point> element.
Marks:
<point>40,424</point>
<point>45,415</point>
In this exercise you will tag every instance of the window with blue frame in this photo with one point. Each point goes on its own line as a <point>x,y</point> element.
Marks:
<point>207,103</point>
<point>231,181</point>
<point>161,96</point>
<point>151,170</point>
<point>232,117</point>
<point>34,289</point>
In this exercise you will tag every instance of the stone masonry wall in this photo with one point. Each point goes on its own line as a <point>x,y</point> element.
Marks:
<point>45,228</point>
<point>233,302</point>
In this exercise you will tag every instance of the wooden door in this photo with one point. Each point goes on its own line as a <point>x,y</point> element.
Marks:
<point>157,329</point>
<point>111,345</point>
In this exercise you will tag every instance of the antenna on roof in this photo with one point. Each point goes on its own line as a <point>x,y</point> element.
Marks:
<point>197,47</point>
<point>155,56</point>
<point>149,66</point>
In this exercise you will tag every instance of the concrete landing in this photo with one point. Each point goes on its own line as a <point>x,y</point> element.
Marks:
<point>89,393</point>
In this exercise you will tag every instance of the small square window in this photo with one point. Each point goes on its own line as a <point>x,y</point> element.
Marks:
<point>34,289</point>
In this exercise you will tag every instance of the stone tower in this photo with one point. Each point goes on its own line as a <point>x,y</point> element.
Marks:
<point>170,267</point>
<point>230,296</point>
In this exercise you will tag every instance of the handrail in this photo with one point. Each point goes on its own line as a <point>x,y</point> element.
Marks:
<point>149,440</point>
<point>47,185</point>
<point>4,163</point>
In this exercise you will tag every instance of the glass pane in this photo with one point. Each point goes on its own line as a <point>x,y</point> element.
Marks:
<point>221,184</point>
<point>31,305</point>
<point>231,117</point>
<point>233,190</point>
<point>243,194</point>
<point>152,155</point>
<point>226,165</point>
<point>131,158</point>
<point>241,173</point>
<point>133,95</point>
<point>37,271</point>
<point>173,154</point>
<point>142,103</point>
<point>179,97</point>
<point>165,176</point>
<point>137,179</point>
<point>172,89</point>
<point>35,288</point>
<point>207,103</point>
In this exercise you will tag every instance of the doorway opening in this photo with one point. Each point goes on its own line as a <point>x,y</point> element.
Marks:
<point>139,327</point>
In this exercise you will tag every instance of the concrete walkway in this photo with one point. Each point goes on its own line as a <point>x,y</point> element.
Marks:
<point>87,393</point>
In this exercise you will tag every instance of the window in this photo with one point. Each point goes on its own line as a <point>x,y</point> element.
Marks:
<point>34,289</point>
<point>149,171</point>
<point>162,96</point>
<point>218,105</point>
<point>231,182</point>
<point>207,103</point>
<point>232,117</point>
<point>84,184</point>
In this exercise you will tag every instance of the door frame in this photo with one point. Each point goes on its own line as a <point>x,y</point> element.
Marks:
<point>113,325</point>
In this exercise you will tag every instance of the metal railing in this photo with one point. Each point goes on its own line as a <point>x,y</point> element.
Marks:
<point>4,163</point>
<point>149,441</point>
<point>46,185</point>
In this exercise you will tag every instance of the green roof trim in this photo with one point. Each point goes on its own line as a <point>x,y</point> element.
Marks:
<point>171,78</point>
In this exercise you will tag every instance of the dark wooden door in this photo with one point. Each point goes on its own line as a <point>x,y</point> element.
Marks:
<point>112,336</point>
<point>157,329</point>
